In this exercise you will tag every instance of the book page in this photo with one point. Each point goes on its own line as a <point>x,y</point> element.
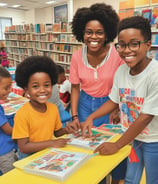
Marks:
<point>89,142</point>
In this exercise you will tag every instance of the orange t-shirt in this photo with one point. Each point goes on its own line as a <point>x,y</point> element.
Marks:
<point>36,125</point>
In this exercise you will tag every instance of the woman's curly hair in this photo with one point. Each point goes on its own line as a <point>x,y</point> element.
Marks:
<point>105,14</point>
<point>34,64</point>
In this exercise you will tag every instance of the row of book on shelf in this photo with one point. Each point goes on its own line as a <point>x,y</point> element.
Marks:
<point>59,164</point>
<point>40,28</point>
<point>45,37</point>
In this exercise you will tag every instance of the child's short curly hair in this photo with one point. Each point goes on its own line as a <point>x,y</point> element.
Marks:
<point>34,64</point>
<point>105,14</point>
<point>137,22</point>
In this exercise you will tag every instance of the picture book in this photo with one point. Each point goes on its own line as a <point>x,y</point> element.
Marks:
<point>153,54</point>
<point>63,26</point>
<point>56,164</point>
<point>48,27</point>
<point>111,128</point>
<point>154,39</point>
<point>14,103</point>
<point>57,27</point>
<point>92,142</point>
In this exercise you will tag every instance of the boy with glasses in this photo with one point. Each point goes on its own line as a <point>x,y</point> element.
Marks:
<point>135,91</point>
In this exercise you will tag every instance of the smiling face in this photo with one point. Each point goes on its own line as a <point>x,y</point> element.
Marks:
<point>39,88</point>
<point>94,36</point>
<point>5,87</point>
<point>136,60</point>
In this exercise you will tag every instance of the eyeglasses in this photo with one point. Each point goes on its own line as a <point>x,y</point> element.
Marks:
<point>90,33</point>
<point>133,45</point>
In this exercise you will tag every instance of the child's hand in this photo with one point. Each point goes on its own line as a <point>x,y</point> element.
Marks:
<point>59,142</point>
<point>115,117</point>
<point>107,148</point>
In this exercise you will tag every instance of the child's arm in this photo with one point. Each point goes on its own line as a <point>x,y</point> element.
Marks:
<point>134,130</point>
<point>63,131</point>
<point>60,132</point>
<point>7,129</point>
<point>106,108</point>
<point>26,146</point>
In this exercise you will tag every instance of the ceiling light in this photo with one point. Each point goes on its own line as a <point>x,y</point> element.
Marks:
<point>16,6</point>
<point>3,4</point>
<point>50,2</point>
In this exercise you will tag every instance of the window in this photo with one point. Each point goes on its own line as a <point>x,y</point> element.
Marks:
<point>3,23</point>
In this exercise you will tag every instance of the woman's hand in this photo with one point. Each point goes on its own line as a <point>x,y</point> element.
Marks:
<point>107,148</point>
<point>73,127</point>
<point>87,125</point>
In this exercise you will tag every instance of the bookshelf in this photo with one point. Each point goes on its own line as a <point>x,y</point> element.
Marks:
<point>154,47</point>
<point>53,40</point>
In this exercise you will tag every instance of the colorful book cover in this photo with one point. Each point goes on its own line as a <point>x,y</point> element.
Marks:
<point>57,27</point>
<point>153,54</point>
<point>154,17</point>
<point>63,26</point>
<point>48,27</point>
<point>14,103</point>
<point>111,128</point>
<point>89,142</point>
<point>154,39</point>
<point>56,164</point>
<point>37,28</point>
<point>147,14</point>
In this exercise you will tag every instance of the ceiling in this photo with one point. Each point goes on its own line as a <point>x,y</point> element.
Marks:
<point>28,4</point>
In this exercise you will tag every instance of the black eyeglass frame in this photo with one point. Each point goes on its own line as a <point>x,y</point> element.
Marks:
<point>98,34</point>
<point>128,44</point>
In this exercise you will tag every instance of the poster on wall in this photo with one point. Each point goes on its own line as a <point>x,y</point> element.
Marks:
<point>61,13</point>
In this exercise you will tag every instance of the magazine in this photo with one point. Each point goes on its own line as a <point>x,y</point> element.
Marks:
<point>57,164</point>
<point>92,142</point>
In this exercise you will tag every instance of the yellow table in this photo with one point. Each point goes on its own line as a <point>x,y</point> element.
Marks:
<point>92,172</point>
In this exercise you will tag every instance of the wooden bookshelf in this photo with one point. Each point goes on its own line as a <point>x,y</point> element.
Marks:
<point>27,40</point>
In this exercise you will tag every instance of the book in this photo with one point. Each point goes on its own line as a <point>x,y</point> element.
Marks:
<point>48,27</point>
<point>153,54</point>
<point>56,164</point>
<point>154,39</point>
<point>14,103</point>
<point>57,27</point>
<point>92,142</point>
<point>111,128</point>
<point>63,26</point>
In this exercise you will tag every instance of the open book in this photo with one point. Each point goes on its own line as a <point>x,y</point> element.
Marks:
<point>56,164</point>
<point>112,129</point>
<point>89,142</point>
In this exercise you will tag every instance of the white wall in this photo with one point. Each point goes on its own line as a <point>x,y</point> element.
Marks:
<point>18,16</point>
<point>83,3</point>
<point>45,15</point>
<point>30,16</point>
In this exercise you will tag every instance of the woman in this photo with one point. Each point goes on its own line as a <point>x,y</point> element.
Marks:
<point>93,67</point>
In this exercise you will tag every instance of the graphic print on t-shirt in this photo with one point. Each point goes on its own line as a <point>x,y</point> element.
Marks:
<point>130,106</point>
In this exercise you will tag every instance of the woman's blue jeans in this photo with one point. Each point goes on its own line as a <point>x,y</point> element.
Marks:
<point>148,158</point>
<point>88,104</point>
